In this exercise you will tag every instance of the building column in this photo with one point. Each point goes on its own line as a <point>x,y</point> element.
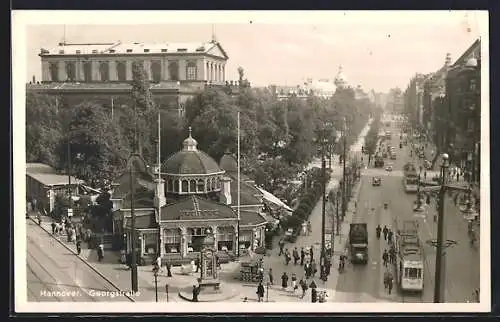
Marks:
<point>163,69</point>
<point>184,245</point>
<point>214,229</point>
<point>113,73</point>
<point>62,71</point>
<point>147,69</point>
<point>128,65</point>
<point>95,70</point>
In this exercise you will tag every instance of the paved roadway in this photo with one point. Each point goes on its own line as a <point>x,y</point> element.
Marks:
<point>54,274</point>
<point>364,283</point>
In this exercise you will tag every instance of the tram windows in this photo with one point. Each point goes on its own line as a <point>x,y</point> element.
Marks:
<point>413,272</point>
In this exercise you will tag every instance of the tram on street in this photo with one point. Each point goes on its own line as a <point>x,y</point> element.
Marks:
<point>409,265</point>
<point>410,178</point>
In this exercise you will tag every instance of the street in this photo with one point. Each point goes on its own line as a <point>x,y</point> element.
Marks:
<point>362,283</point>
<point>54,274</point>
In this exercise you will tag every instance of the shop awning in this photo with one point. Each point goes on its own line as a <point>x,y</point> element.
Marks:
<point>273,199</point>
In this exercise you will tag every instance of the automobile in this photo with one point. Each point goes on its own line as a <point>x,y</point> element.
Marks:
<point>376,181</point>
<point>388,167</point>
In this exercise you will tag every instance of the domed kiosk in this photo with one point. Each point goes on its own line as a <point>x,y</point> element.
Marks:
<point>191,171</point>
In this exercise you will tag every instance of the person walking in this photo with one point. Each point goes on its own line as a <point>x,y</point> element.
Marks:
<point>79,247</point>
<point>271,278</point>
<point>389,236</point>
<point>303,286</point>
<point>311,254</point>
<point>296,256</point>
<point>385,231</point>
<point>392,255</point>
<point>287,257</point>
<point>284,280</point>
<point>196,291</point>
<point>385,257</point>
<point>314,268</point>
<point>307,270</point>
<point>302,256</point>
<point>281,244</point>
<point>294,282</point>
<point>100,252</point>
<point>260,292</point>
<point>378,230</point>
<point>53,225</point>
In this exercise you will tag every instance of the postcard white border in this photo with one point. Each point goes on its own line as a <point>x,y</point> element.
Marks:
<point>21,19</point>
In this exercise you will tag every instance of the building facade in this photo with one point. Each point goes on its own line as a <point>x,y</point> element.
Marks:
<point>103,71</point>
<point>463,94</point>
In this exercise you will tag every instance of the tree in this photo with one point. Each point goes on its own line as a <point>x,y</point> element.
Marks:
<point>44,128</point>
<point>96,144</point>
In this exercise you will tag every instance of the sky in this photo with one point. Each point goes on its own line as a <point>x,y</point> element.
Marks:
<point>377,50</point>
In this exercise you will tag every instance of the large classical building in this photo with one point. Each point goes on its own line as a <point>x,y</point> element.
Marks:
<point>104,70</point>
<point>193,193</point>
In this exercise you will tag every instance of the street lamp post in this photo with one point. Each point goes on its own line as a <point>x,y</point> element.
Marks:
<point>440,272</point>
<point>155,273</point>
<point>133,255</point>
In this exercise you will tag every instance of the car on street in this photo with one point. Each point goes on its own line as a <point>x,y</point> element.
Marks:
<point>388,167</point>
<point>376,181</point>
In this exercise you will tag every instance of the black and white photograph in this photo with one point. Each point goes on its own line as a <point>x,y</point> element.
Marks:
<point>259,161</point>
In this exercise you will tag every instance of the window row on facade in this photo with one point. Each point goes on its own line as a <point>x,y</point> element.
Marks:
<point>88,71</point>
<point>193,185</point>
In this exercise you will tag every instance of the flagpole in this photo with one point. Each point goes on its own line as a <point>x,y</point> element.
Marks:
<point>158,160</point>
<point>239,217</point>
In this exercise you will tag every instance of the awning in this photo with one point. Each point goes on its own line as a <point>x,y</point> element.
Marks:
<point>273,199</point>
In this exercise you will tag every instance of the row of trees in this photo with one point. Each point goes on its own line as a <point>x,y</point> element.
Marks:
<point>278,138</point>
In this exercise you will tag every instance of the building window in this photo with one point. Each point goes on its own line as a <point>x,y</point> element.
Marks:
<point>163,50</point>
<point>71,71</point>
<point>185,185</point>
<point>121,71</point>
<point>192,186</point>
<point>94,51</point>
<point>170,185</point>
<point>195,239</point>
<point>129,50</point>
<point>176,185</point>
<point>61,52</point>
<point>201,186</point>
<point>470,125</point>
<point>54,72</point>
<point>225,237</point>
<point>78,52</point>
<point>146,50</point>
<point>111,51</point>
<point>172,241</point>
<point>245,239</point>
<point>173,71</point>
<point>104,71</point>
<point>87,71</point>
<point>472,85</point>
<point>156,70</point>
<point>209,184</point>
<point>191,71</point>
<point>151,243</point>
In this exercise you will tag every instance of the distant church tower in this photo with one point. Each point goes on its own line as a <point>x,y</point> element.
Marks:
<point>340,80</point>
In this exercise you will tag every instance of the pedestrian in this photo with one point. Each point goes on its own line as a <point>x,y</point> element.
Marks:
<point>385,257</point>
<point>425,175</point>
<point>314,268</point>
<point>458,176</point>
<point>284,280</point>
<point>303,285</point>
<point>389,236</point>
<point>100,251</point>
<point>392,255</point>
<point>197,263</point>
<point>79,247</point>
<point>287,257</point>
<point>389,284</point>
<point>53,225</point>
<point>385,231</point>
<point>311,254</point>
<point>309,227</point>
<point>302,256</point>
<point>169,269</point>
<point>307,270</point>
<point>271,278</point>
<point>294,282</point>
<point>295,256</point>
<point>196,291</point>
<point>281,244</point>
<point>158,263</point>
<point>260,292</point>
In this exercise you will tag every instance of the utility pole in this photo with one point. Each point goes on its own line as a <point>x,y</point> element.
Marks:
<point>133,266</point>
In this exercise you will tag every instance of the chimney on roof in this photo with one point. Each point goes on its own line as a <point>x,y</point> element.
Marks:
<point>34,79</point>
<point>225,194</point>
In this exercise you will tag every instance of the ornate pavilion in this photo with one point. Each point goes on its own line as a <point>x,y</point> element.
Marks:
<point>194,193</point>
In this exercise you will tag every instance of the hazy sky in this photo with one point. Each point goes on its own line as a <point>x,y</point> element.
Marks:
<point>378,50</point>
